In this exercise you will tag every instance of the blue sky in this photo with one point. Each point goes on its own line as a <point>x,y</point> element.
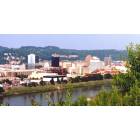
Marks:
<point>70,41</point>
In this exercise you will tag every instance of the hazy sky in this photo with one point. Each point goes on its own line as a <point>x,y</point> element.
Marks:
<point>72,41</point>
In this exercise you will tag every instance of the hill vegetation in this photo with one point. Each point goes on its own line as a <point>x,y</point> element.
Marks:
<point>45,53</point>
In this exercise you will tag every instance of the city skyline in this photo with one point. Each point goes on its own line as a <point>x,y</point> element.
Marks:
<point>70,41</point>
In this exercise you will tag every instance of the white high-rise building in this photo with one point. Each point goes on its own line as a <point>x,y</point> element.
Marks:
<point>31,61</point>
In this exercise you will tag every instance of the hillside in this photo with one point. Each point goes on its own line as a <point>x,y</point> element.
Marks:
<point>45,52</point>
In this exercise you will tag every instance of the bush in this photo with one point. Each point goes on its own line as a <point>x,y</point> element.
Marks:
<point>32,84</point>
<point>7,81</point>
<point>87,78</point>
<point>81,101</point>
<point>1,90</point>
<point>124,81</point>
<point>108,76</point>
<point>76,79</point>
<point>42,83</point>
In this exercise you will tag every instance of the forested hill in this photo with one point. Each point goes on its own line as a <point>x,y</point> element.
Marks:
<point>45,53</point>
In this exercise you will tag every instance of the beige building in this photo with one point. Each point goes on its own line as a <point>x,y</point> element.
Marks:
<point>39,75</point>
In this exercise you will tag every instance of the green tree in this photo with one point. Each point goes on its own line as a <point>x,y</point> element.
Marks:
<point>108,76</point>
<point>126,81</point>
<point>102,99</point>
<point>81,101</point>
<point>1,90</point>
<point>126,90</point>
<point>134,60</point>
<point>42,83</point>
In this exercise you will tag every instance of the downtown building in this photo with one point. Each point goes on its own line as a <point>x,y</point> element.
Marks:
<point>31,61</point>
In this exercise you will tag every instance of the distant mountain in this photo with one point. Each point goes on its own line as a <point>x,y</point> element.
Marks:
<point>3,48</point>
<point>45,53</point>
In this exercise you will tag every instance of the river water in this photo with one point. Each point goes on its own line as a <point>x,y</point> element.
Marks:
<point>44,98</point>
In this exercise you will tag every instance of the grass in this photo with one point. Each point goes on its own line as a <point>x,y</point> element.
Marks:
<point>47,88</point>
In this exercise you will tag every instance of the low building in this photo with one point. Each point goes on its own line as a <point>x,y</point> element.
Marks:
<point>55,78</point>
<point>40,75</point>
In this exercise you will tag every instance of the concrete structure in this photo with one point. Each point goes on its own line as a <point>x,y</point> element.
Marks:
<point>55,60</point>
<point>88,59</point>
<point>46,64</point>
<point>66,64</point>
<point>18,67</point>
<point>121,69</point>
<point>95,64</point>
<point>37,59</point>
<point>39,75</point>
<point>108,61</point>
<point>54,77</point>
<point>31,61</point>
<point>7,73</point>
<point>75,68</point>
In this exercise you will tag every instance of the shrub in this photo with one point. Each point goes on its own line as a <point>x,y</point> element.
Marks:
<point>108,76</point>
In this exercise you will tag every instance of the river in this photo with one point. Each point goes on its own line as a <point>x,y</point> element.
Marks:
<point>55,96</point>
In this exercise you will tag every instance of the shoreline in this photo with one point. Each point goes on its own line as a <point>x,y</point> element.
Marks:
<point>48,88</point>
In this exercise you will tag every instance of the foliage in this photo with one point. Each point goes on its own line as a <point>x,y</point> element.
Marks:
<point>124,81</point>
<point>32,84</point>
<point>49,87</point>
<point>126,90</point>
<point>128,80</point>
<point>46,52</point>
<point>108,76</point>
<point>22,76</point>
<point>105,98</point>
<point>34,102</point>
<point>42,83</point>
<point>68,99</point>
<point>1,90</point>
<point>81,101</point>
<point>7,81</point>
<point>92,77</point>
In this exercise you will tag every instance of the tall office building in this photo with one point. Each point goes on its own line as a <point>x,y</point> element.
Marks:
<point>55,60</point>
<point>31,61</point>
<point>37,59</point>
<point>108,61</point>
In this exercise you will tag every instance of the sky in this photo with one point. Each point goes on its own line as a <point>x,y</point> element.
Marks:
<point>70,41</point>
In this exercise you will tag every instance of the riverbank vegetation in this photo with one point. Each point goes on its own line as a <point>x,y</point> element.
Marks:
<point>46,88</point>
<point>91,80</point>
<point>126,87</point>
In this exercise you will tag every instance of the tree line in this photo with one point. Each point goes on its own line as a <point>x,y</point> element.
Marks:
<point>45,53</point>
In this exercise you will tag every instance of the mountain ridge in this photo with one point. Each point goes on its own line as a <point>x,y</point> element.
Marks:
<point>45,52</point>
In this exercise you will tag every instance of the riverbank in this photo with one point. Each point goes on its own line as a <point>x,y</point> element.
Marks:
<point>48,88</point>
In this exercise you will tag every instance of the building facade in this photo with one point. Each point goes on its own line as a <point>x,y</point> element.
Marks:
<point>31,61</point>
<point>55,60</point>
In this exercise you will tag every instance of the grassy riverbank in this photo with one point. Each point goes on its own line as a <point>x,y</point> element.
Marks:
<point>47,88</point>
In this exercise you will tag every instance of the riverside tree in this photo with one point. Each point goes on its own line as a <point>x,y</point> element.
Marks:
<point>126,89</point>
<point>126,81</point>
<point>1,90</point>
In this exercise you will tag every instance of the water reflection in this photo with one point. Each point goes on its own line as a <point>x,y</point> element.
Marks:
<point>48,98</point>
